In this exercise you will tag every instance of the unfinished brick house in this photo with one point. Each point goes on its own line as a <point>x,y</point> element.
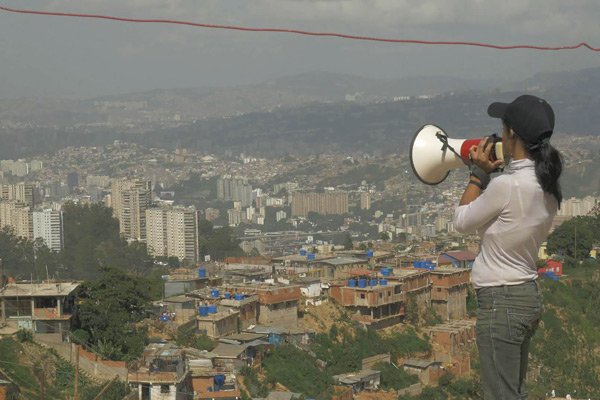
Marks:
<point>416,287</point>
<point>217,322</point>
<point>452,342</point>
<point>245,306</point>
<point>277,303</point>
<point>339,267</point>
<point>161,373</point>
<point>374,303</point>
<point>210,381</point>
<point>449,292</point>
<point>40,307</point>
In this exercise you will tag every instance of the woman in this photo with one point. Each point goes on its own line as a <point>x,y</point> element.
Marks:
<point>513,215</point>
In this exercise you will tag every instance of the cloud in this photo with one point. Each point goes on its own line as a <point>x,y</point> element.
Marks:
<point>509,17</point>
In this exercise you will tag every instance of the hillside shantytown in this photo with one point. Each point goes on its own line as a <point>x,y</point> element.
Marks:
<point>240,274</point>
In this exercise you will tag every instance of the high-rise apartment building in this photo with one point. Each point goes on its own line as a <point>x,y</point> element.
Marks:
<point>365,201</point>
<point>22,222</point>
<point>20,192</point>
<point>182,233</point>
<point>575,207</point>
<point>332,202</point>
<point>16,216</point>
<point>234,217</point>
<point>48,225</point>
<point>129,200</point>
<point>173,232</point>
<point>234,189</point>
<point>6,208</point>
<point>156,232</point>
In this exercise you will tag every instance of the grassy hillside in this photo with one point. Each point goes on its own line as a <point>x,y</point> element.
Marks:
<point>41,374</point>
<point>566,348</point>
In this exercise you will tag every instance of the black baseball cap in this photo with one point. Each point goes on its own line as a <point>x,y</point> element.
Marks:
<point>529,117</point>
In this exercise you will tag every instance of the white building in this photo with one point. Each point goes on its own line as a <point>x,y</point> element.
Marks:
<point>48,225</point>
<point>172,232</point>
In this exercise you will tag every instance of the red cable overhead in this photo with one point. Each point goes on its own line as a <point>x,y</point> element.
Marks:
<point>300,32</point>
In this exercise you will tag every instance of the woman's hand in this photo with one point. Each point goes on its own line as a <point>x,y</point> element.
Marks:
<point>480,156</point>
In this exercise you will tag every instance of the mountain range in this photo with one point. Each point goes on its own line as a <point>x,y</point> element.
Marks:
<point>307,113</point>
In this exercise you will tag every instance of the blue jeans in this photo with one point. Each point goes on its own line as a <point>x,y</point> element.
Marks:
<point>507,318</point>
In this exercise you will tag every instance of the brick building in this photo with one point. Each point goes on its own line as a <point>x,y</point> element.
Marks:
<point>374,303</point>
<point>452,342</point>
<point>160,374</point>
<point>449,292</point>
<point>40,307</point>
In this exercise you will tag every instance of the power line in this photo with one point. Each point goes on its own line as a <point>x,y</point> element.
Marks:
<point>302,32</point>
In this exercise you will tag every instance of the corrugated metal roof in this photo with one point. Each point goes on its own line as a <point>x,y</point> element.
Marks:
<point>413,362</point>
<point>343,261</point>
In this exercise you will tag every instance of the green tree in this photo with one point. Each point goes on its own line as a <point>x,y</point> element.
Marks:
<point>187,338</point>
<point>220,243</point>
<point>348,245</point>
<point>108,309</point>
<point>574,238</point>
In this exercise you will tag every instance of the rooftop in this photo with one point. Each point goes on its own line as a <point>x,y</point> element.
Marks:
<point>226,350</point>
<point>417,363</point>
<point>343,261</point>
<point>356,377</point>
<point>39,289</point>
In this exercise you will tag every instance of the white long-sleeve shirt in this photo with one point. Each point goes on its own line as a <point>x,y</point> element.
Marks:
<point>513,217</point>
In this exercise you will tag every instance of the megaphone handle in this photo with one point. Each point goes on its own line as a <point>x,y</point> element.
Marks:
<point>445,145</point>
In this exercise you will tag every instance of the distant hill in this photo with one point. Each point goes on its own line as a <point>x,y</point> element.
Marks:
<point>308,123</point>
<point>208,102</point>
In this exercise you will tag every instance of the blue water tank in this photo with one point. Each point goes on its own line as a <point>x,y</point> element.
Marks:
<point>201,272</point>
<point>212,309</point>
<point>219,380</point>
<point>385,271</point>
<point>302,252</point>
<point>164,318</point>
<point>352,282</point>
<point>227,295</point>
<point>238,296</point>
<point>203,311</point>
<point>311,256</point>
<point>370,253</point>
<point>383,282</point>
<point>373,282</point>
<point>214,293</point>
<point>362,283</point>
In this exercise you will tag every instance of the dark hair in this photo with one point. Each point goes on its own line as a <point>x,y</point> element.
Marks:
<point>548,164</point>
<point>548,167</point>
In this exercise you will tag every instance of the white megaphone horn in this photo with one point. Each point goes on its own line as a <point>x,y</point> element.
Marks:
<point>433,154</point>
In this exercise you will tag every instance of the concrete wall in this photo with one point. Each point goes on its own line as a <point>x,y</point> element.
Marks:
<point>412,390</point>
<point>284,314</point>
<point>369,297</point>
<point>455,304</point>
<point>219,325</point>
<point>96,368</point>
<point>369,362</point>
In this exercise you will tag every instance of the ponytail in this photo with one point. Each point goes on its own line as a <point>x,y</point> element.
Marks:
<point>548,167</point>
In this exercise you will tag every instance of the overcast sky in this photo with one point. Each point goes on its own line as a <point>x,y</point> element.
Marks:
<point>57,56</point>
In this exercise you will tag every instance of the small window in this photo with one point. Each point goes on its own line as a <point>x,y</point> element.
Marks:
<point>389,293</point>
<point>165,389</point>
<point>439,289</point>
<point>362,295</point>
<point>381,295</point>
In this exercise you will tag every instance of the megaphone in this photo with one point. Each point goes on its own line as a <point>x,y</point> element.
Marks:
<point>433,154</point>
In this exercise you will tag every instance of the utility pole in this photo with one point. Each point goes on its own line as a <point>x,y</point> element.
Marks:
<point>1,274</point>
<point>105,388</point>
<point>576,243</point>
<point>76,385</point>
